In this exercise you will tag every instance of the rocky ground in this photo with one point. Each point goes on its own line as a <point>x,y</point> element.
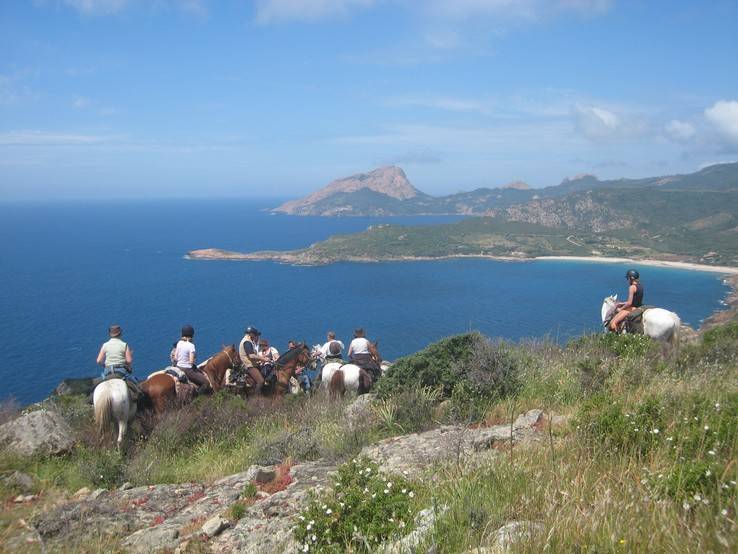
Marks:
<point>180,517</point>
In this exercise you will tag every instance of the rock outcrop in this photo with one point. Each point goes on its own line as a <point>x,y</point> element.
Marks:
<point>390,181</point>
<point>42,432</point>
<point>166,517</point>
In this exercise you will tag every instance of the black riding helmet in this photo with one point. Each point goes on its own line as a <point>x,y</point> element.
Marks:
<point>188,331</point>
<point>632,274</point>
<point>252,330</point>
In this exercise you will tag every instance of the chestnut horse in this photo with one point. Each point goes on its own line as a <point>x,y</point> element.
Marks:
<point>285,367</point>
<point>162,389</point>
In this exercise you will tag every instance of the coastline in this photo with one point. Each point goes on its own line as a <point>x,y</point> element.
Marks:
<point>303,258</point>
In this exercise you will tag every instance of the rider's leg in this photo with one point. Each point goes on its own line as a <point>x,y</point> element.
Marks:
<point>618,318</point>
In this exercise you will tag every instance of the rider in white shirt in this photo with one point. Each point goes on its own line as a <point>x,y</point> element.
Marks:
<point>329,352</point>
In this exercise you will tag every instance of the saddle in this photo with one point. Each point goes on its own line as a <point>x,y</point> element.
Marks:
<point>633,324</point>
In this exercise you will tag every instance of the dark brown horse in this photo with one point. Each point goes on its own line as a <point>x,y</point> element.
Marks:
<point>218,365</point>
<point>285,367</point>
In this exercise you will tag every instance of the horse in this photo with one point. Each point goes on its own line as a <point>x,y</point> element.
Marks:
<point>216,367</point>
<point>284,369</point>
<point>340,377</point>
<point>659,324</point>
<point>113,405</point>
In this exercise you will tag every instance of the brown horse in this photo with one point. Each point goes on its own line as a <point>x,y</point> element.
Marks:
<point>285,367</point>
<point>162,391</point>
<point>217,366</point>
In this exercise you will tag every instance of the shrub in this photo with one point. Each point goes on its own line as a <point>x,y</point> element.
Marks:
<point>364,509</point>
<point>432,366</point>
<point>236,511</point>
<point>485,370</point>
<point>410,410</point>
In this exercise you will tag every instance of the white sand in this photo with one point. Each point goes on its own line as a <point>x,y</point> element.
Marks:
<point>657,263</point>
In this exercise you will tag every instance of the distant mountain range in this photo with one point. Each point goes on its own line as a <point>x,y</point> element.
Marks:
<point>387,191</point>
<point>690,217</point>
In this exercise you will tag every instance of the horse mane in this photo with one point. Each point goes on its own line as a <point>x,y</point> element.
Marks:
<point>290,355</point>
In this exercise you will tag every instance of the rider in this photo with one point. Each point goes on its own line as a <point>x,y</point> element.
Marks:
<point>267,356</point>
<point>117,359</point>
<point>635,300</point>
<point>184,356</point>
<point>248,346</point>
<point>360,355</point>
<point>116,356</point>
<point>332,349</point>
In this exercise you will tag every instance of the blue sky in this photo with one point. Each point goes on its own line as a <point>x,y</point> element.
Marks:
<point>167,98</point>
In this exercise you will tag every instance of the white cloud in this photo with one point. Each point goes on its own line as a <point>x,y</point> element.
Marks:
<point>269,11</point>
<point>602,124</point>
<point>35,138</point>
<point>724,116</point>
<point>679,130</point>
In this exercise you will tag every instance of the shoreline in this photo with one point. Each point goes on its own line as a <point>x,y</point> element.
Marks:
<point>719,316</point>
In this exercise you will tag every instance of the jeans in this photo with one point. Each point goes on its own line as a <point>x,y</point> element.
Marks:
<point>119,372</point>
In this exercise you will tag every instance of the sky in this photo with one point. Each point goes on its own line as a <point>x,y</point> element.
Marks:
<point>267,98</point>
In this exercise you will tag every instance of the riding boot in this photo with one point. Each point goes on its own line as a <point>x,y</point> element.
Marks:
<point>203,389</point>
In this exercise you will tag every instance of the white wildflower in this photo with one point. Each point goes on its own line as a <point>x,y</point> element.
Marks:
<point>314,538</point>
<point>707,427</point>
<point>711,452</point>
<point>655,431</point>
<point>386,491</point>
<point>306,547</point>
<point>402,523</point>
<point>708,473</point>
<point>411,494</point>
<point>328,512</point>
<point>309,526</point>
<point>404,491</point>
<point>669,439</point>
<point>724,512</point>
<point>697,497</point>
<point>685,505</point>
<point>636,429</point>
<point>389,485</point>
<point>643,481</point>
<point>717,405</point>
<point>374,495</point>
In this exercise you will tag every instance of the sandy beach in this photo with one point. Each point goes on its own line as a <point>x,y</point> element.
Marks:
<point>726,270</point>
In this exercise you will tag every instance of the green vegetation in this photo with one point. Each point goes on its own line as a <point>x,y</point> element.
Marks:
<point>363,509</point>
<point>639,450</point>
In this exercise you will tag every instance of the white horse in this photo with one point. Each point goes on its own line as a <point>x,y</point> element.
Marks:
<point>659,324</point>
<point>350,377</point>
<point>113,405</point>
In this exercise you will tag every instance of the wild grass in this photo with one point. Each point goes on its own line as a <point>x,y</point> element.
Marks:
<point>646,459</point>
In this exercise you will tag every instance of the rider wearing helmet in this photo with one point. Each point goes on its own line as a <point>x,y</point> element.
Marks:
<point>249,346</point>
<point>635,300</point>
<point>184,357</point>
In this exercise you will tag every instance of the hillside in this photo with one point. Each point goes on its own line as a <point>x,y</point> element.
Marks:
<point>386,191</point>
<point>670,224</point>
<point>470,443</point>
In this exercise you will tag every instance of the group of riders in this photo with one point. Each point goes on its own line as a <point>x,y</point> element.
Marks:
<point>254,351</point>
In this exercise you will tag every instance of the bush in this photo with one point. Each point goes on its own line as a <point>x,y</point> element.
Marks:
<point>411,410</point>
<point>364,509</point>
<point>432,366</point>
<point>718,346</point>
<point>465,367</point>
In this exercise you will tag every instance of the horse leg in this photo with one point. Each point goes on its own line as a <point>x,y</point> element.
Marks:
<point>122,428</point>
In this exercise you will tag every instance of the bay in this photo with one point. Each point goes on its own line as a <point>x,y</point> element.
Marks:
<point>69,270</point>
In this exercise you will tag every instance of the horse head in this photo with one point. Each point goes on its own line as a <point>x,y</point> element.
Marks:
<point>376,356</point>
<point>608,307</point>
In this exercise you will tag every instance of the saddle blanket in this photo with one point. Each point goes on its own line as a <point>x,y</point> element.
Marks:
<point>174,372</point>
<point>634,321</point>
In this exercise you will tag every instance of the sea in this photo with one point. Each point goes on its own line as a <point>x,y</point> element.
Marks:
<point>69,270</point>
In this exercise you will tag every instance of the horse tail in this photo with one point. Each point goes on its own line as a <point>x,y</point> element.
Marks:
<point>674,338</point>
<point>104,413</point>
<point>337,386</point>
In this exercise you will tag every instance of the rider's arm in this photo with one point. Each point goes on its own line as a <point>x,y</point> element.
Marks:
<point>192,357</point>
<point>631,291</point>
<point>101,356</point>
<point>129,356</point>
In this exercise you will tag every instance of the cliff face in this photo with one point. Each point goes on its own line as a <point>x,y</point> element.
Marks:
<point>390,181</point>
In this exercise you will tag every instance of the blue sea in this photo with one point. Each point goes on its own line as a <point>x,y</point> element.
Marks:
<point>69,270</point>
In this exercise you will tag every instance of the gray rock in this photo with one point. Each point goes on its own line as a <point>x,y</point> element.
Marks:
<point>152,539</point>
<point>125,486</point>
<point>97,493</point>
<point>359,413</point>
<point>516,532</point>
<point>214,526</point>
<point>412,454</point>
<point>82,386</point>
<point>19,480</point>
<point>528,419</point>
<point>41,432</point>
<point>425,521</point>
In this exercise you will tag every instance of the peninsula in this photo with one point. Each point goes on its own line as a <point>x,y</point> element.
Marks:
<point>688,219</point>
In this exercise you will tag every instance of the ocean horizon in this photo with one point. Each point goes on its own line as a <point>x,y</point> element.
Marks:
<point>73,268</point>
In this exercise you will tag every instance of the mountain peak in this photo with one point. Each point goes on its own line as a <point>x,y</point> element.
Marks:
<point>516,185</point>
<point>389,180</point>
